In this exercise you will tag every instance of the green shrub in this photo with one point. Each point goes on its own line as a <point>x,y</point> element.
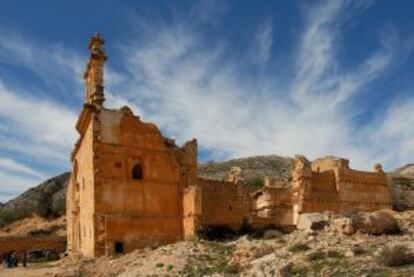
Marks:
<point>316,256</point>
<point>256,182</point>
<point>263,250</point>
<point>232,269</point>
<point>297,247</point>
<point>271,234</point>
<point>40,232</point>
<point>58,206</point>
<point>358,251</point>
<point>334,254</point>
<point>397,255</point>
<point>403,181</point>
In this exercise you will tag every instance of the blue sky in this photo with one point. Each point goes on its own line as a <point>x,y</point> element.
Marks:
<point>243,77</point>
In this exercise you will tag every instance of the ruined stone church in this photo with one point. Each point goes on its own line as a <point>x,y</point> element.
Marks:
<point>131,187</point>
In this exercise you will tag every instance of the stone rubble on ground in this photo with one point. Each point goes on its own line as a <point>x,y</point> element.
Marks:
<point>330,251</point>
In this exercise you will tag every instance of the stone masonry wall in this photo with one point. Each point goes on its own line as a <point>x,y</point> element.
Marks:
<point>322,194</point>
<point>366,191</point>
<point>223,203</point>
<point>273,206</point>
<point>21,245</point>
<point>329,184</point>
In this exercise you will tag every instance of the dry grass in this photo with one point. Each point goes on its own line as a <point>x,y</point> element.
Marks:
<point>394,256</point>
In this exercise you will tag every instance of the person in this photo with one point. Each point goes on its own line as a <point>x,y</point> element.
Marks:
<point>14,259</point>
<point>24,260</point>
<point>9,261</point>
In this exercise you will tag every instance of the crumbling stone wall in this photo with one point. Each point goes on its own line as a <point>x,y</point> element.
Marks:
<point>273,206</point>
<point>366,191</point>
<point>223,203</point>
<point>192,210</point>
<point>21,245</point>
<point>134,211</point>
<point>80,204</point>
<point>322,194</point>
<point>329,184</point>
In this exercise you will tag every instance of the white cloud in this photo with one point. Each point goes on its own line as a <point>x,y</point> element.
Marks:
<point>194,91</point>
<point>12,184</point>
<point>393,134</point>
<point>262,47</point>
<point>39,120</point>
<point>54,64</point>
<point>37,125</point>
<point>16,167</point>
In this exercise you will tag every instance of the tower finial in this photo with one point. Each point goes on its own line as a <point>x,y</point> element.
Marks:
<point>94,73</point>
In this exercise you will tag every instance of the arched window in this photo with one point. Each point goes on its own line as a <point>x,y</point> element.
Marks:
<point>137,173</point>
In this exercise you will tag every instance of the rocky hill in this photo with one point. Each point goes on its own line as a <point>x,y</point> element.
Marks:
<point>401,182</point>
<point>276,167</point>
<point>47,200</point>
<point>406,171</point>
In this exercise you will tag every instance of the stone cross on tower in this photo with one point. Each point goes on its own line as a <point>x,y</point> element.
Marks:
<point>94,72</point>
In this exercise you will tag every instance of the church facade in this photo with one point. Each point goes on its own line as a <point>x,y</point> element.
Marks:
<point>127,180</point>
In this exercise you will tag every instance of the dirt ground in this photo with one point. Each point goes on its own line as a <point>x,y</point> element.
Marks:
<point>33,270</point>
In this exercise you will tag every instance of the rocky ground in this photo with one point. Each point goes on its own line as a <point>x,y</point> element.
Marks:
<point>325,252</point>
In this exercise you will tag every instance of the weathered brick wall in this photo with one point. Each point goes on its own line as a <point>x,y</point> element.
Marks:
<point>273,206</point>
<point>191,210</point>
<point>363,190</point>
<point>29,244</point>
<point>322,193</point>
<point>329,184</point>
<point>223,203</point>
<point>134,208</point>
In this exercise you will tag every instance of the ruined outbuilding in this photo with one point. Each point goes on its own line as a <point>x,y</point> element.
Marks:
<point>131,187</point>
<point>326,184</point>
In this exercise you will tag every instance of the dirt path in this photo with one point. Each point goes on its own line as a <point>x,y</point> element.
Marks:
<point>31,271</point>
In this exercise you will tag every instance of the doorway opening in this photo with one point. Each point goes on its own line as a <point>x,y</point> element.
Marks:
<point>119,247</point>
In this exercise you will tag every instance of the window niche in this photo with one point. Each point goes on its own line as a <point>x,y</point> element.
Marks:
<point>137,172</point>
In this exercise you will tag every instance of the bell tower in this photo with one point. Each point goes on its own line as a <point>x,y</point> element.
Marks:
<point>94,74</point>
